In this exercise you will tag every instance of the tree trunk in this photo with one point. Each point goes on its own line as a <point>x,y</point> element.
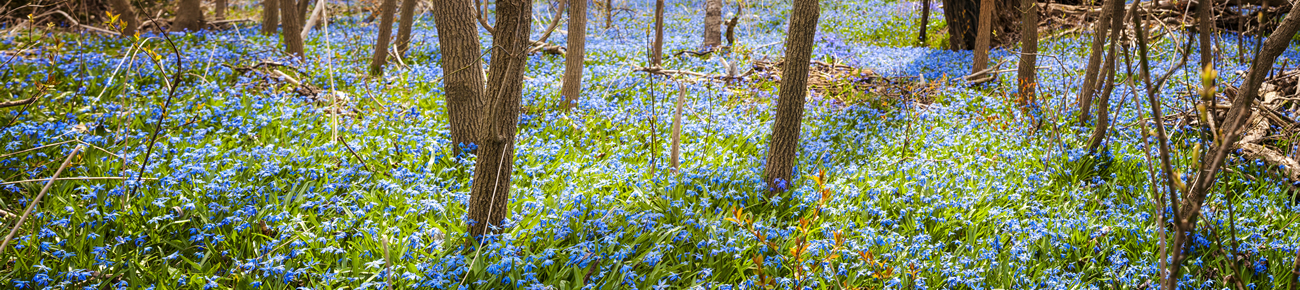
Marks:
<point>1205,30</point>
<point>657,49</point>
<point>302,10</point>
<point>380,58</point>
<point>292,41</point>
<point>219,12</point>
<point>316,15</point>
<point>925,21</point>
<point>1094,61</point>
<point>609,14</point>
<point>1107,77</point>
<point>962,17</point>
<point>404,26</point>
<point>1027,75</point>
<point>127,15</point>
<point>677,127</point>
<point>270,16</point>
<point>189,16</point>
<point>784,143</point>
<point>572,85</point>
<point>462,69</point>
<point>712,23</point>
<point>983,35</point>
<point>491,186</point>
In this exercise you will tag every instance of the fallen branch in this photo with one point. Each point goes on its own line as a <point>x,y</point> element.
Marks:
<point>18,102</point>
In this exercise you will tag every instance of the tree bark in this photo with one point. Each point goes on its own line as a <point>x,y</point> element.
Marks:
<point>784,143</point>
<point>1205,30</point>
<point>1239,113</point>
<point>1027,75</point>
<point>712,23</point>
<point>490,190</point>
<point>983,36</point>
<point>925,21</point>
<point>189,16</point>
<point>380,58</point>
<point>270,16</point>
<point>292,40</point>
<point>130,23</point>
<point>962,17</point>
<point>219,12</point>
<point>609,14</point>
<point>404,26</point>
<point>462,69</point>
<point>1108,77</point>
<point>572,85</point>
<point>1094,61</point>
<point>657,49</point>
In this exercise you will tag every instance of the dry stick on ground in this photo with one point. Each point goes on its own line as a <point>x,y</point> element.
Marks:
<point>1277,42</point>
<point>37,200</point>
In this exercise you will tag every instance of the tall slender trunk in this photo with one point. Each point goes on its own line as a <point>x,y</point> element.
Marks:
<point>784,143</point>
<point>712,23</point>
<point>490,190</point>
<point>1027,75</point>
<point>404,26</point>
<point>462,69</point>
<point>130,23</point>
<point>1107,77</point>
<point>1094,61</point>
<point>380,58</point>
<point>925,21</point>
<point>1205,30</point>
<point>292,24</point>
<point>572,85</point>
<point>609,14</point>
<point>657,49</point>
<point>270,16</point>
<point>983,35</point>
<point>219,11</point>
<point>677,127</point>
<point>315,18</point>
<point>189,16</point>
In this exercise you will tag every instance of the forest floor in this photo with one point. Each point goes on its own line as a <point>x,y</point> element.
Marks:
<point>920,180</point>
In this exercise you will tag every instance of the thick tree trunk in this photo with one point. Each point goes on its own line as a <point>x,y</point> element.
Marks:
<point>983,35</point>
<point>404,26</point>
<point>380,58</point>
<point>925,21</point>
<point>657,49</point>
<point>462,69</point>
<point>189,16</point>
<point>1094,60</point>
<point>1027,75</point>
<point>572,85</point>
<point>784,143</point>
<point>712,23</point>
<point>963,17</point>
<point>292,40</point>
<point>491,187</point>
<point>130,23</point>
<point>270,16</point>
<point>1240,112</point>
<point>219,12</point>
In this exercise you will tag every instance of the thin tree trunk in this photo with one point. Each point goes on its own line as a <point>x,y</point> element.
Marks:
<point>1094,62</point>
<point>292,41</point>
<point>572,85</point>
<point>983,35</point>
<point>404,26</point>
<point>316,15</point>
<point>609,14</point>
<point>490,190</point>
<point>270,16</point>
<point>1239,113</point>
<point>219,12</point>
<point>925,21</point>
<point>677,127</point>
<point>380,58</point>
<point>462,68</point>
<point>130,23</point>
<point>1027,75</point>
<point>1108,77</point>
<point>189,16</point>
<point>657,49</point>
<point>302,10</point>
<point>1204,13</point>
<point>784,143</point>
<point>712,23</point>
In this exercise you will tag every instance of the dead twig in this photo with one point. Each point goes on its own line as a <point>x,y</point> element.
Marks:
<point>37,199</point>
